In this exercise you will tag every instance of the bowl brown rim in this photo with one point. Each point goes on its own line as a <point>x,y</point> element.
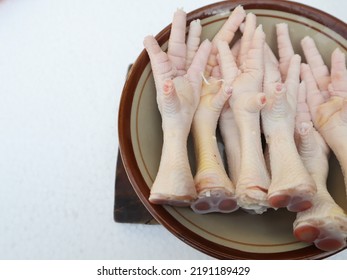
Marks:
<point>127,153</point>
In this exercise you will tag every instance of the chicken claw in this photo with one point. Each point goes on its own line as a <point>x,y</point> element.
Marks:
<point>216,192</point>
<point>327,98</point>
<point>325,223</point>
<point>291,185</point>
<point>246,102</point>
<point>178,87</point>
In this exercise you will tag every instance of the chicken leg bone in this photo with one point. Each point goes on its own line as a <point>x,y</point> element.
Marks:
<point>178,87</point>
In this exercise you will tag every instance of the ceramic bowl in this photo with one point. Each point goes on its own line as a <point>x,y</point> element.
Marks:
<point>237,235</point>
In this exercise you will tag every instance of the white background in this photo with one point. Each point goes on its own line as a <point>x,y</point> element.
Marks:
<point>62,69</point>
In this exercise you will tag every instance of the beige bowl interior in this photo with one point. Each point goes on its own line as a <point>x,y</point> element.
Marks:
<point>267,233</point>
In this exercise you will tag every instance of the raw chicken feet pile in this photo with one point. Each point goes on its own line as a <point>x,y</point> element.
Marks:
<point>278,119</point>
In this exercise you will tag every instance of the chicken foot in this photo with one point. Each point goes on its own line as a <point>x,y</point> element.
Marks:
<point>216,192</point>
<point>227,125</point>
<point>327,98</point>
<point>325,223</point>
<point>178,87</point>
<point>246,102</point>
<point>291,185</point>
